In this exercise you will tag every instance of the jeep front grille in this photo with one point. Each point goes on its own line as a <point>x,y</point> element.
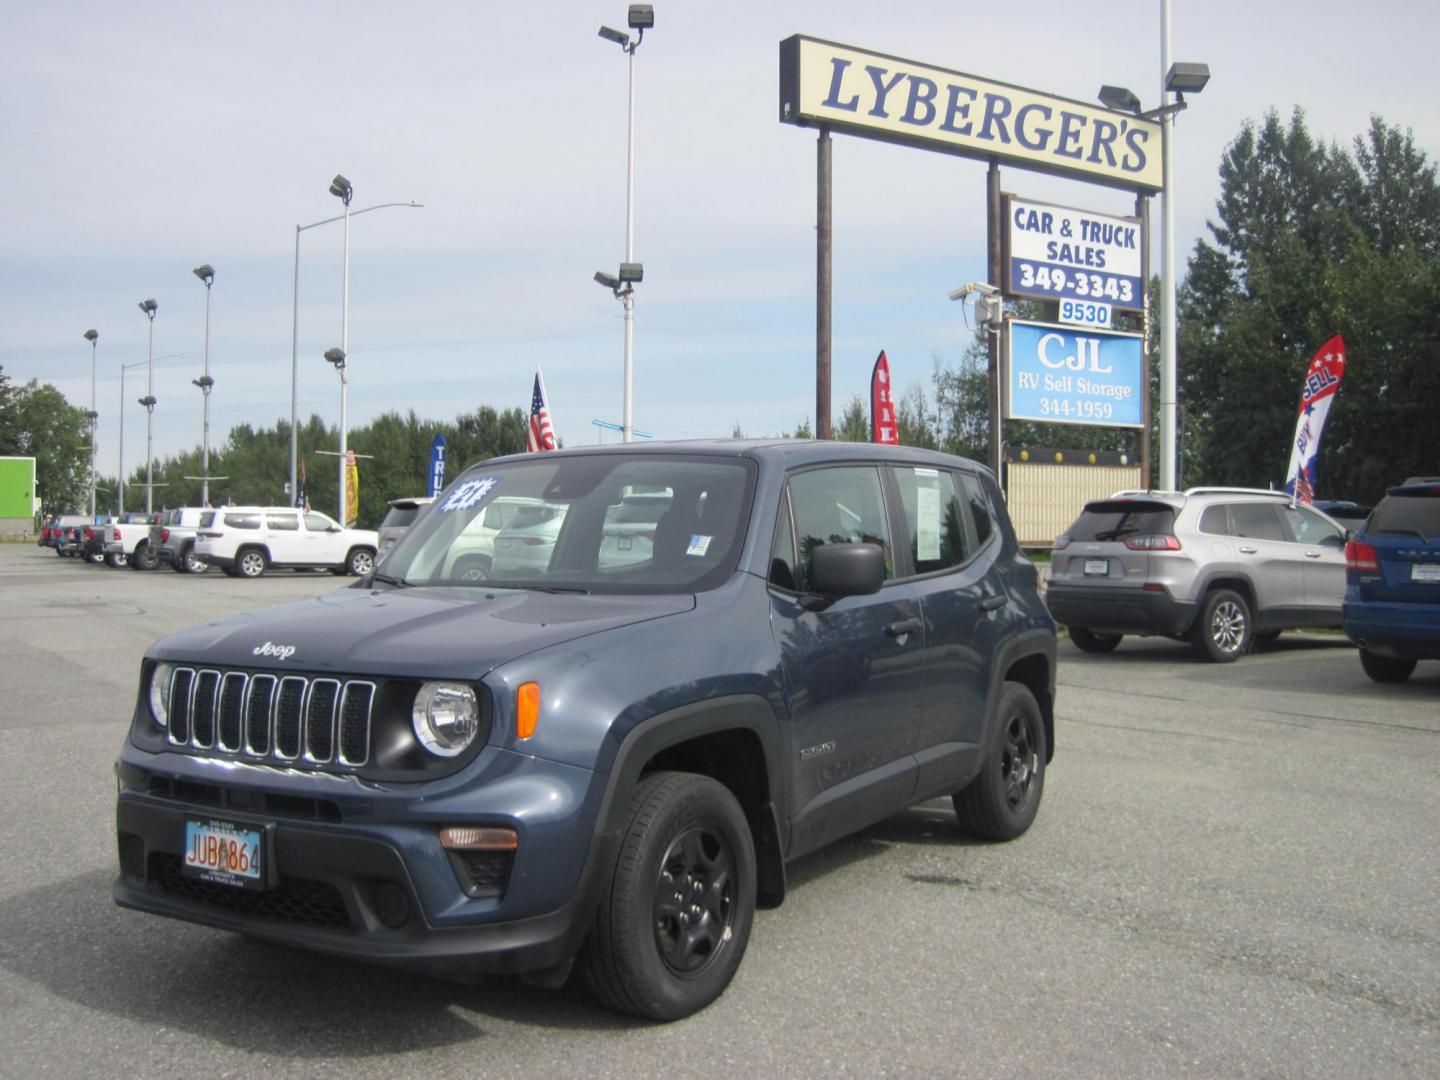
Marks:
<point>290,719</point>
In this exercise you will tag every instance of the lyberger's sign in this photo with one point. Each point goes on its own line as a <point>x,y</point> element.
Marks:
<point>894,100</point>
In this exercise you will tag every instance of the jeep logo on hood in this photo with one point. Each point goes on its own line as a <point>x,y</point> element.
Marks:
<point>281,652</point>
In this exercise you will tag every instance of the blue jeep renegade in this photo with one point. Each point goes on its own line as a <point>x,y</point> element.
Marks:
<point>589,707</point>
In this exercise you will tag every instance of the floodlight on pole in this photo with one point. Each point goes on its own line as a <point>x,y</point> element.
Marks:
<point>337,357</point>
<point>149,307</point>
<point>295,329</point>
<point>92,336</point>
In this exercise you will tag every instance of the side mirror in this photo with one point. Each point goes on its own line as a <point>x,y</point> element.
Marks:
<point>838,570</point>
<point>332,528</point>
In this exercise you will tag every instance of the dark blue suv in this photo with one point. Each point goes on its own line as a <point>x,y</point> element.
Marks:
<point>712,659</point>
<point>1392,582</point>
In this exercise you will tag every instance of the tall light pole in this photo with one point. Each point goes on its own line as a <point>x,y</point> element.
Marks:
<point>337,357</point>
<point>344,191</point>
<point>205,273</point>
<point>295,334</point>
<point>149,307</point>
<point>120,481</point>
<point>92,336</point>
<point>641,18</point>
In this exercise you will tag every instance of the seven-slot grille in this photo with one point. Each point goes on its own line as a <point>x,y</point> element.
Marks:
<point>287,718</point>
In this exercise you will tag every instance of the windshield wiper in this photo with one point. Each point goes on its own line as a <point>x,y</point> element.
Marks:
<point>399,583</point>
<point>576,589</point>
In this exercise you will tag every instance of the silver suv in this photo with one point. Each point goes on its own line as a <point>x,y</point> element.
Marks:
<point>1219,567</point>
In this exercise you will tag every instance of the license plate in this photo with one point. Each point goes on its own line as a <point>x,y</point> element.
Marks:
<point>1429,572</point>
<point>224,853</point>
<point>1097,567</point>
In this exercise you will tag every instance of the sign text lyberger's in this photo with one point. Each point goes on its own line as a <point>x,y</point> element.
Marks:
<point>883,97</point>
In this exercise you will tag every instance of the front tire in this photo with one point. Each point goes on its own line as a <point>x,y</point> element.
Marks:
<point>472,568</point>
<point>1091,642</point>
<point>1223,631</point>
<point>1386,669</point>
<point>1000,803</point>
<point>252,563</point>
<point>675,916</point>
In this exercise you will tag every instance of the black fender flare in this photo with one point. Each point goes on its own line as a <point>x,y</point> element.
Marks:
<point>744,712</point>
<point>1032,643</point>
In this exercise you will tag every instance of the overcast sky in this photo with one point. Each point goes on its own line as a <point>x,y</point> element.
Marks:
<point>141,140</point>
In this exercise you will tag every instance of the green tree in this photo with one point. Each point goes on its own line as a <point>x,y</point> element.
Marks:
<point>36,421</point>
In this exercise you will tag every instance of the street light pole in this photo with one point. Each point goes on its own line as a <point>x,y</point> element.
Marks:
<point>205,273</point>
<point>92,336</point>
<point>149,308</point>
<point>343,190</point>
<point>295,335</point>
<point>641,18</point>
<point>1167,268</point>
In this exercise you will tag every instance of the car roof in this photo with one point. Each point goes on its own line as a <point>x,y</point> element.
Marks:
<point>784,453</point>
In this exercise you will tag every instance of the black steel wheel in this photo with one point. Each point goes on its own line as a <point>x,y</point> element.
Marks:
<point>1001,802</point>
<point>1222,632</point>
<point>675,918</point>
<point>1091,642</point>
<point>1386,669</point>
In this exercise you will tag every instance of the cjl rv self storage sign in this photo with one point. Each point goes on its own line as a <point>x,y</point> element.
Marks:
<point>1066,375</point>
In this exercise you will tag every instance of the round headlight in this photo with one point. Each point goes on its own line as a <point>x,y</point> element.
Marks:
<point>446,717</point>
<point>160,694</point>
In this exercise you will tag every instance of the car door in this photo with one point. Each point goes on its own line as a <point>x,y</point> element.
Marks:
<point>282,535</point>
<point>850,666</point>
<point>323,539</point>
<point>1273,562</point>
<point>1322,544</point>
<point>950,577</point>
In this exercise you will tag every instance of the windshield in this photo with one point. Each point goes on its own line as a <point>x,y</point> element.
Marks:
<point>605,522</point>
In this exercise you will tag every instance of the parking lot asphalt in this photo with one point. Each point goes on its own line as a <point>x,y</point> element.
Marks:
<point>1234,873</point>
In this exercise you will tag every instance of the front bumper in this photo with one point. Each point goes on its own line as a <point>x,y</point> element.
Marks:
<point>1119,611</point>
<point>357,869</point>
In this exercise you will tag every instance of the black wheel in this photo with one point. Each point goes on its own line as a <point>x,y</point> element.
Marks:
<point>1088,641</point>
<point>190,563</point>
<point>144,558</point>
<point>252,562</point>
<point>675,916</point>
<point>1000,803</point>
<point>360,562</point>
<point>1222,633</point>
<point>117,559</point>
<point>472,568</point>
<point>1386,669</point>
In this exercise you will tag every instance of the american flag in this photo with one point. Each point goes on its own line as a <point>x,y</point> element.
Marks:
<point>541,435</point>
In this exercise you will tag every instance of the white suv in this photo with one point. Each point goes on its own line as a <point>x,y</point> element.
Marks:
<point>245,541</point>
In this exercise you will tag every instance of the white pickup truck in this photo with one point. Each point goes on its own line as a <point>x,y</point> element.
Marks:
<point>127,541</point>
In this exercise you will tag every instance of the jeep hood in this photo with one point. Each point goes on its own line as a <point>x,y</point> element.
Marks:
<point>451,632</point>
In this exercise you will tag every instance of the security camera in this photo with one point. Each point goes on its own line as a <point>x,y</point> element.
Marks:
<point>974,287</point>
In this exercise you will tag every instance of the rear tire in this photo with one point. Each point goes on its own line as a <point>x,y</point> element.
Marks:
<point>472,568</point>
<point>191,563</point>
<point>1091,642</point>
<point>1386,669</point>
<point>675,915</point>
<point>360,562</point>
<point>252,562</point>
<point>94,558</point>
<point>1000,803</point>
<point>144,558</point>
<point>117,559</point>
<point>1223,632</point>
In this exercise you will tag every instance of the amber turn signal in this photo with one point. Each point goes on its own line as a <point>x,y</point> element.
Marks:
<point>527,710</point>
<point>475,838</point>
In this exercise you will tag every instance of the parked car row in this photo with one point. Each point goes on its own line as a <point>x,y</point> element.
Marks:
<point>1225,569</point>
<point>243,541</point>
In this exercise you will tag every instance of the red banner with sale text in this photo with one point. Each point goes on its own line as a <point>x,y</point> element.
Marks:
<point>883,426</point>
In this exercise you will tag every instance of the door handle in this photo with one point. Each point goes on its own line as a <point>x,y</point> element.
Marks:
<point>903,627</point>
<point>1312,554</point>
<point>994,603</point>
<point>1247,551</point>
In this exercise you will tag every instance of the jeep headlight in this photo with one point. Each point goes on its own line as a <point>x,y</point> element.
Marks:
<point>446,717</point>
<point>160,694</point>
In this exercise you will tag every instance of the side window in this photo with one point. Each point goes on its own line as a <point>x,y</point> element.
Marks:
<point>283,522</point>
<point>1214,521</point>
<point>838,506</point>
<point>1310,528</point>
<point>934,516</point>
<point>243,521</point>
<point>782,558</point>
<point>1258,521</point>
<point>317,522</point>
<point>979,508</point>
